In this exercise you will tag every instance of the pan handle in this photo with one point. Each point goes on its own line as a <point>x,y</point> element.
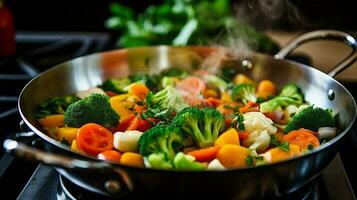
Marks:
<point>324,34</point>
<point>22,150</point>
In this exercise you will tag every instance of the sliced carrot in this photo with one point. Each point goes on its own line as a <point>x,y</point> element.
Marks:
<point>303,138</point>
<point>189,149</point>
<point>213,101</point>
<point>209,93</point>
<point>249,107</point>
<point>230,136</point>
<point>206,154</point>
<point>265,89</point>
<point>227,108</point>
<point>139,89</point>
<point>52,121</point>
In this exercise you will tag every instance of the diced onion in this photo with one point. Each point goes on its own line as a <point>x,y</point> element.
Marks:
<point>278,114</point>
<point>215,165</point>
<point>326,132</point>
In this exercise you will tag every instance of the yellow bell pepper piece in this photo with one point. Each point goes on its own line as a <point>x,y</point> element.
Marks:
<point>124,105</point>
<point>132,159</point>
<point>228,137</point>
<point>240,78</point>
<point>52,121</point>
<point>276,154</point>
<point>233,156</point>
<point>67,133</point>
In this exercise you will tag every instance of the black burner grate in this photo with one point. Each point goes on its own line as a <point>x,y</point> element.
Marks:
<point>37,51</point>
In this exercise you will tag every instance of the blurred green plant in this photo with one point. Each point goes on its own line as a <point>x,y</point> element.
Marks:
<point>183,22</point>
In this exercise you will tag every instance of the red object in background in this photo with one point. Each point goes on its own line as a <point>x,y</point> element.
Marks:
<point>7,32</point>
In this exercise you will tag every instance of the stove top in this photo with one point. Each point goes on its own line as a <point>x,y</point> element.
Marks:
<point>46,183</point>
<point>22,179</point>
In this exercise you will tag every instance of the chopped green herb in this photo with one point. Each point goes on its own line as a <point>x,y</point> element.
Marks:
<point>260,100</point>
<point>237,121</point>
<point>284,146</point>
<point>274,142</point>
<point>65,142</point>
<point>164,115</point>
<point>249,161</point>
<point>310,147</point>
<point>259,157</point>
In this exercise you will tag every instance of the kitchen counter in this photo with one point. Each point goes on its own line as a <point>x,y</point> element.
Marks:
<point>324,54</point>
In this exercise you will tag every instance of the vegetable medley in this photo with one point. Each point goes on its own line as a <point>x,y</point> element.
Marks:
<point>188,121</point>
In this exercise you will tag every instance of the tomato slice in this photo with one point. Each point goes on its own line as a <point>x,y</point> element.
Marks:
<point>144,125</point>
<point>123,126</point>
<point>302,138</point>
<point>110,93</point>
<point>110,155</point>
<point>134,124</point>
<point>93,139</point>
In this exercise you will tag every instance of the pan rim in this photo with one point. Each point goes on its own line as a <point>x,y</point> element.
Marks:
<point>86,157</point>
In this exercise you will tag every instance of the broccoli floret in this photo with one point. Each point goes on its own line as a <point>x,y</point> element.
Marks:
<point>203,125</point>
<point>311,118</point>
<point>245,92</point>
<point>289,95</point>
<point>55,105</point>
<point>187,162</point>
<point>168,81</point>
<point>116,85</point>
<point>159,161</point>
<point>95,108</point>
<point>293,91</point>
<point>168,97</point>
<point>161,139</point>
<point>214,81</point>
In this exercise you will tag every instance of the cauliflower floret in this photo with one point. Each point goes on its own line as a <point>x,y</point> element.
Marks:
<point>259,128</point>
<point>127,141</point>
<point>256,121</point>
<point>257,140</point>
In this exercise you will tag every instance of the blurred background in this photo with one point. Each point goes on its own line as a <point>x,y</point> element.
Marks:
<point>82,15</point>
<point>163,22</point>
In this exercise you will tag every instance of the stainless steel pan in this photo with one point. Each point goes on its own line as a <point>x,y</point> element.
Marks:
<point>115,180</point>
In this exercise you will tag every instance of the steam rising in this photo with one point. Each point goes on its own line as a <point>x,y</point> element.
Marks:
<point>267,14</point>
<point>235,43</point>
